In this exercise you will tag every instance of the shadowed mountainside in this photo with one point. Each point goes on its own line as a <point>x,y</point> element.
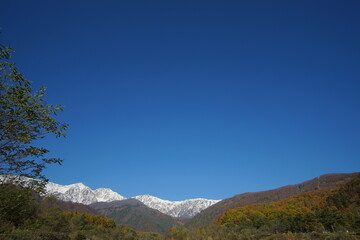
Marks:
<point>131,212</point>
<point>211,214</point>
<point>53,202</point>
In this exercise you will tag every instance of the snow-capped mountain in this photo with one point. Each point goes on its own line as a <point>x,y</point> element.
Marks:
<point>186,208</point>
<point>80,193</point>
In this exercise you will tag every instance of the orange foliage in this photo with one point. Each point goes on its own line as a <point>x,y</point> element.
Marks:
<point>304,203</point>
<point>92,219</point>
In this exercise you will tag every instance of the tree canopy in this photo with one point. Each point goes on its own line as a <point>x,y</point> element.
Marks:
<point>24,118</point>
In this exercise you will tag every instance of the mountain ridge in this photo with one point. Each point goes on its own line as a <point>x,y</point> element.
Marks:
<point>186,208</point>
<point>80,193</point>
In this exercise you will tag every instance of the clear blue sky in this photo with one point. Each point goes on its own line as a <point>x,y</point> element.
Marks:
<point>185,99</point>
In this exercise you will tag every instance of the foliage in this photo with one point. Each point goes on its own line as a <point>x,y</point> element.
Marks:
<point>348,196</point>
<point>315,215</point>
<point>24,118</point>
<point>91,220</point>
<point>17,205</point>
<point>330,210</point>
<point>177,233</point>
<point>209,215</point>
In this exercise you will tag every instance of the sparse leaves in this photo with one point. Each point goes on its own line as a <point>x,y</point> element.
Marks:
<point>24,118</point>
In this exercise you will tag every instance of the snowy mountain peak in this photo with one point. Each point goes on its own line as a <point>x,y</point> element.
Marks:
<point>107,195</point>
<point>80,193</point>
<point>80,185</point>
<point>149,198</point>
<point>186,208</point>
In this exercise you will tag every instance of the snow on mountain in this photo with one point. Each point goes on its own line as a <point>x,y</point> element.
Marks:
<point>163,206</point>
<point>191,207</point>
<point>80,193</point>
<point>186,208</point>
<point>107,195</point>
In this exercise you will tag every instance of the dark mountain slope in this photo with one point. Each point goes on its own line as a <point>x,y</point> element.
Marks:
<point>115,204</point>
<point>52,202</point>
<point>211,214</point>
<point>134,213</point>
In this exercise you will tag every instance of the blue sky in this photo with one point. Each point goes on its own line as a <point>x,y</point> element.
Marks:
<point>185,99</point>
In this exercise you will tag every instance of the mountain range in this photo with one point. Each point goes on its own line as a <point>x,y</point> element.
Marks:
<point>79,193</point>
<point>151,214</point>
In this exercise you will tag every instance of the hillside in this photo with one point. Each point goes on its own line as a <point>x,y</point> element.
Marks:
<point>134,213</point>
<point>331,210</point>
<point>50,202</point>
<point>211,214</point>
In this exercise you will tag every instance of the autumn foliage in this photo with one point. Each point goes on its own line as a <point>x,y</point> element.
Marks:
<point>335,209</point>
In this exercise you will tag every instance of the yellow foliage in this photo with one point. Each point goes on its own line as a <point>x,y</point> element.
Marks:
<point>304,203</point>
<point>92,219</point>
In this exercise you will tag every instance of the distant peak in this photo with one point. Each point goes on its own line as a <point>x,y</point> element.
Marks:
<point>146,195</point>
<point>80,184</point>
<point>102,189</point>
